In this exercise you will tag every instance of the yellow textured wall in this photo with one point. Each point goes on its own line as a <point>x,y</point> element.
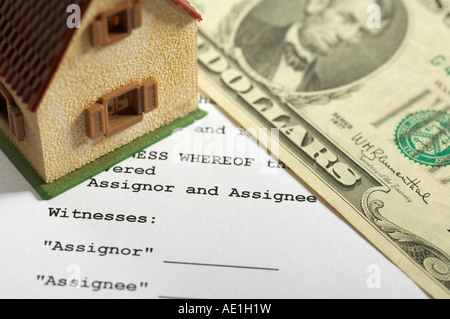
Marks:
<point>31,147</point>
<point>165,46</point>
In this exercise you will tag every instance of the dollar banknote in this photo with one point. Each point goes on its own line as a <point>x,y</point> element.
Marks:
<point>358,93</point>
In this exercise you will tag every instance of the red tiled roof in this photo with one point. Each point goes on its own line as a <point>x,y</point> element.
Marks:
<point>186,6</point>
<point>33,39</point>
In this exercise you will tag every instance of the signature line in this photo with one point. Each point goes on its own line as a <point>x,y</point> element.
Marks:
<point>217,265</point>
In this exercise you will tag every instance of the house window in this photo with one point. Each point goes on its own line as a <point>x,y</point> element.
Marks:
<point>10,116</point>
<point>122,108</point>
<point>119,23</point>
<point>116,23</point>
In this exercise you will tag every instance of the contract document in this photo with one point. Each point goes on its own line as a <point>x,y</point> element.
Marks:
<point>205,213</point>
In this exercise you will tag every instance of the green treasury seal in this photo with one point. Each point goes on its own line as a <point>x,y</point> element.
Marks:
<point>424,137</point>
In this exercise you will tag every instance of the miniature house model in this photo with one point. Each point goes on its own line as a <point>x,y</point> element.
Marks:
<point>69,95</point>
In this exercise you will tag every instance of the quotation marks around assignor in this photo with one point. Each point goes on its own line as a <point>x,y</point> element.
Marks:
<point>94,285</point>
<point>97,249</point>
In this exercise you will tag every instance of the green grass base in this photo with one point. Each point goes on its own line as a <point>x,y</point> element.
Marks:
<point>51,190</point>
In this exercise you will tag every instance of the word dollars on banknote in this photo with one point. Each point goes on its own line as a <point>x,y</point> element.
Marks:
<point>359,92</point>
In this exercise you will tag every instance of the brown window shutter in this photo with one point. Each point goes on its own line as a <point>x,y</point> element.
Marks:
<point>16,126</point>
<point>137,101</point>
<point>97,34</point>
<point>137,15</point>
<point>96,121</point>
<point>150,90</point>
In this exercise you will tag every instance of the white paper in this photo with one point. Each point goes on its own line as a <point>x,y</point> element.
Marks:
<point>181,245</point>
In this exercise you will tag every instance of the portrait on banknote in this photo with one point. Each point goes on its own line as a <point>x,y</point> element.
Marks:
<point>316,45</point>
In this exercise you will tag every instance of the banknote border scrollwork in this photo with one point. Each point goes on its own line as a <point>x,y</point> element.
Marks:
<point>435,262</point>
